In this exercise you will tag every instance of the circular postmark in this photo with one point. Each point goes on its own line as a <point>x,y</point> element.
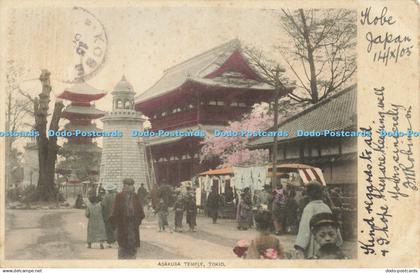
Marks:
<point>90,43</point>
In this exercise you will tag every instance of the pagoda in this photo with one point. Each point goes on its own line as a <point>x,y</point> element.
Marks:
<point>80,113</point>
<point>202,93</point>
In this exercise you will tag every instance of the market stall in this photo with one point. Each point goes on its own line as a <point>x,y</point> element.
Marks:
<point>231,181</point>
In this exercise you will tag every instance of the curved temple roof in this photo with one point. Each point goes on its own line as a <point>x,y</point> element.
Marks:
<point>207,68</point>
<point>77,112</point>
<point>81,92</point>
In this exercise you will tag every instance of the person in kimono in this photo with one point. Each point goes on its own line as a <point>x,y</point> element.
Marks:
<point>127,215</point>
<point>96,227</point>
<point>278,209</point>
<point>79,204</point>
<point>154,196</point>
<point>266,197</point>
<point>142,194</point>
<point>191,210</point>
<point>244,212</point>
<point>213,202</point>
<point>162,212</point>
<point>179,213</point>
<point>291,211</point>
<point>107,204</point>
<point>305,244</point>
<point>265,245</point>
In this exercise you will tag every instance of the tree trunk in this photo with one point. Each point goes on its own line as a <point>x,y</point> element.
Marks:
<point>311,61</point>
<point>47,147</point>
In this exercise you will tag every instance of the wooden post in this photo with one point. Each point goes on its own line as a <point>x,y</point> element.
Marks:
<point>274,152</point>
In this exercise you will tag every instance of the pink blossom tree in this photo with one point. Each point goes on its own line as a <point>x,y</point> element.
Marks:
<point>233,151</point>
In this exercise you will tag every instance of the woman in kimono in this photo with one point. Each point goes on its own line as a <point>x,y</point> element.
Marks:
<point>278,209</point>
<point>244,215</point>
<point>96,227</point>
<point>305,244</point>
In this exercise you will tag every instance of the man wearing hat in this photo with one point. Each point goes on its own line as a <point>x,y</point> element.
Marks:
<point>305,244</point>
<point>107,204</point>
<point>127,215</point>
<point>324,228</point>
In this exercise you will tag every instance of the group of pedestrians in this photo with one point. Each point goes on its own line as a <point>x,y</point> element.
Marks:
<point>281,204</point>
<point>115,217</point>
<point>318,237</point>
<point>184,203</point>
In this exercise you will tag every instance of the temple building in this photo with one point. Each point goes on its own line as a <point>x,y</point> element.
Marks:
<point>123,157</point>
<point>202,93</point>
<point>335,156</point>
<point>80,113</point>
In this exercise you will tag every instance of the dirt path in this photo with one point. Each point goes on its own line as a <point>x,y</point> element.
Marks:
<point>61,235</point>
<point>54,242</point>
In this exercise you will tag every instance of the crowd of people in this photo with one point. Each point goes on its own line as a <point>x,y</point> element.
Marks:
<point>318,230</point>
<point>310,214</point>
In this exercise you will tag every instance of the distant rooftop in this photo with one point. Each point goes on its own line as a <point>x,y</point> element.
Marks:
<point>337,112</point>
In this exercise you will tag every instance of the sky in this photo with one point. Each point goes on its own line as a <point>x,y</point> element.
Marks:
<point>142,42</point>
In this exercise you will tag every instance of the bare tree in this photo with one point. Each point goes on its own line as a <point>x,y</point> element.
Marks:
<point>47,146</point>
<point>322,51</point>
<point>272,74</point>
<point>18,108</point>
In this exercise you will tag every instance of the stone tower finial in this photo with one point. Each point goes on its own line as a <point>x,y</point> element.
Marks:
<point>123,95</point>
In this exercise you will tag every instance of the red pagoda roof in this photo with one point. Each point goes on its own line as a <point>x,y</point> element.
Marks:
<point>208,68</point>
<point>81,92</point>
<point>82,112</point>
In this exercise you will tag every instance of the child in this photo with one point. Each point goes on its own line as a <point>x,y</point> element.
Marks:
<point>96,226</point>
<point>191,209</point>
<point>162,212</point>
<point>265,246</point>
<point>179,213</point>
<point>324,228</point>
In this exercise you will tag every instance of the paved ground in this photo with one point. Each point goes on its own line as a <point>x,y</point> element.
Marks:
<point>61,234</point>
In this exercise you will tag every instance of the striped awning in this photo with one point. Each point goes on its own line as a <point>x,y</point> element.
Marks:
<point>310,174</point>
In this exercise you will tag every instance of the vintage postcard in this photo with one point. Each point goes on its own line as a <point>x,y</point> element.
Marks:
<point>209,134</point>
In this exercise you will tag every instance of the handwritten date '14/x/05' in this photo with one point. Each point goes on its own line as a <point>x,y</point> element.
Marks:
<point>385,47</point>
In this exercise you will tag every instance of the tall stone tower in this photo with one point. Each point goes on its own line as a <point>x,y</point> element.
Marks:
<point>122,157</point>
